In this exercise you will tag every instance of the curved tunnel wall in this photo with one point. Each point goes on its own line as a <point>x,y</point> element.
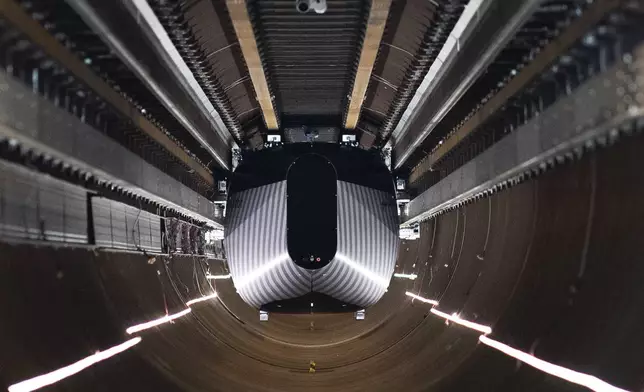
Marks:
<point>553,265</point>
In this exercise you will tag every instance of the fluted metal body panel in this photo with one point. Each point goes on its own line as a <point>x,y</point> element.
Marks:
<point>263,272</point>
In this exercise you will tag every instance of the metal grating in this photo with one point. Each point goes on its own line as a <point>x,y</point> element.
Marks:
<point>310,58</point>
<point>416,32</point>
<point>204,36</point>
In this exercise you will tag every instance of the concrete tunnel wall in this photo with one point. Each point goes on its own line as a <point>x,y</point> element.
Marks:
<point>553,265</point>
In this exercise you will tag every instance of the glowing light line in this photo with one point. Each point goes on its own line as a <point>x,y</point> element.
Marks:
<point>159,321</point>
<point>50,378</point>
<point>363,271</point>
<point>218,276</point>
<point>201,299</point>
<point>245,280</point>
<point>455,319</point>
<point>421,299</point>
<point>574,377</point>
<point>406,276</point>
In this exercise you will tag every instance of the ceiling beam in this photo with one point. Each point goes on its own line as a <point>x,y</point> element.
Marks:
<point>246,37</point>
<point>375,28</point>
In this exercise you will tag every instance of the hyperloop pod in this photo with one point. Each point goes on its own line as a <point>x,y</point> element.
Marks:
<point>311,226</point>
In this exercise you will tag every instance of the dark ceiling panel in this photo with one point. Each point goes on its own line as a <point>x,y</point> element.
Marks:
<point>310,58</point>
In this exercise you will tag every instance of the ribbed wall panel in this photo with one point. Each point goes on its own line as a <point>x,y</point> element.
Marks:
<point>368,237</point>
<point>119,226</point>
<point>255,240</point>
<point>258,256</point>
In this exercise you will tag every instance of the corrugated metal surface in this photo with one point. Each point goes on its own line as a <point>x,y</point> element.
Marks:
<point>310,58</point>
<point>256,247</point>
<point>367,246</point>
<point>258,257</point>
<point>119,226</point>
<point>38,207</point>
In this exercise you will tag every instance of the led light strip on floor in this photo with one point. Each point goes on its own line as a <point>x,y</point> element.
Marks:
<point>578,378</point>
<point>406,276</point>
<point>572,376</point>
<point>201,299</point>
<point>218,277</point>
<point>64,372</point>
<point>159,321</point>
<point>421,299</point>
<point>468,324</point>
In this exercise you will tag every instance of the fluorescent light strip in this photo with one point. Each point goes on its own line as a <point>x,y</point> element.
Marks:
<point>217,277</point>
<point>574,377</point>
<point>255,274</point>
<point>201,299</point>
<point>154,323</point>
<point>421,299</point>
<point>455,319</point>
<point>406,276</point>
<point>363,271</point>
<point>62,373</point>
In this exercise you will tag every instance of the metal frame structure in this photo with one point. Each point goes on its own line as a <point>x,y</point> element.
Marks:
<point>172,83</point>
<point>593,114</point>
<point>455,71</point>
<point>12,12</point>
<point>62,136</point>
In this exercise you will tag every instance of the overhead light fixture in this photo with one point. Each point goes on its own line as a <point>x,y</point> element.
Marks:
<point>572,376</point>
<point>201,299</point>
<point>363,271</point>
<point>421,299</point>
<point>154,323</point>
<point>53,377</point>
<point>406,276</point>
<point>218,277</point>
<point>456,319</point>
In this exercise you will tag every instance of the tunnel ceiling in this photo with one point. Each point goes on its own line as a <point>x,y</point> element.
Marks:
<point>310,61</point>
